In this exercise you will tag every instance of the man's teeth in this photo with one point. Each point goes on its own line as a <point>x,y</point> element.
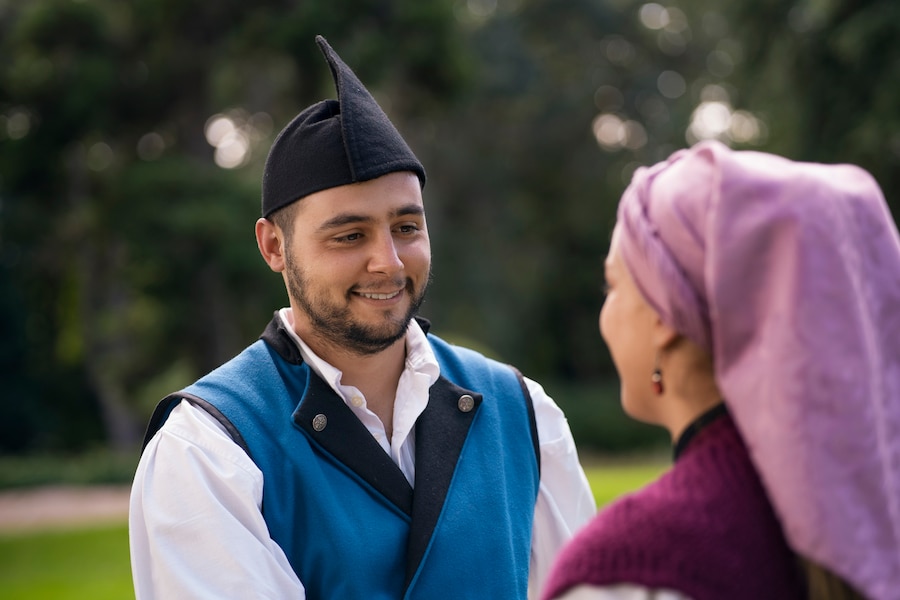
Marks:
<point>379,296</point>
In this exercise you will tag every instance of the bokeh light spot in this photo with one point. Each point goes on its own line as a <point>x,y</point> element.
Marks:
<point>671,84</point>
<point>654,16</point>
<point>99,156</point>
<point>18,124</point>
<point>150,146</point>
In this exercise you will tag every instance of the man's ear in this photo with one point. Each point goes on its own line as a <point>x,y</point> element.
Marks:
<point>270,240</point>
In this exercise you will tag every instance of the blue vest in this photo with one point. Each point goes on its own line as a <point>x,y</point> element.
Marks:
<point>344,514</point>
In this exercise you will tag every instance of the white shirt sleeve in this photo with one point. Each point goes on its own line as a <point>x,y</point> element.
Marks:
<point>195,525</point>
<point>196,529</point>
<point>620,592</point>
<point>565,502</point>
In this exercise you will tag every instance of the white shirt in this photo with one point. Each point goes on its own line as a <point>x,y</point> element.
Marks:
<point>620,592</point>
<point>195,525</point>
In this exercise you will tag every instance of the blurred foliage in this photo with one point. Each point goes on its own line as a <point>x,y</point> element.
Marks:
<point>93,467</point>
<point>126,249</point>
<point>598,423</point>
<point>127,260</point>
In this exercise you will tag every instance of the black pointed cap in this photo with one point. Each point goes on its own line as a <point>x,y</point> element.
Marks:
<point>333,143</point>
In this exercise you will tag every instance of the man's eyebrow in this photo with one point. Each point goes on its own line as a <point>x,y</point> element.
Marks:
<point>342,220</point>
<point>345,219</point>
<point>409,209</point>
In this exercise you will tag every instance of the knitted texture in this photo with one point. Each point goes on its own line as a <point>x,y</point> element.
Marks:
<point>786,272</point>
<point>705,528</point>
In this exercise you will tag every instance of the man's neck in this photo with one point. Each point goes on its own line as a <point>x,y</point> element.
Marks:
<point>366,370</point>
<point>352,364</point>
<point>377,377</point>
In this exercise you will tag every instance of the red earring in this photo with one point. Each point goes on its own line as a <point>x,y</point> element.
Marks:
<point>656,379</point>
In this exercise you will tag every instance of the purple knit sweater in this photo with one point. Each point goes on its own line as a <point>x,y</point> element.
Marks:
<point>705,528</point>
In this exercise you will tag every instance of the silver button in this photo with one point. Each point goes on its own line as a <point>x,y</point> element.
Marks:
<point>466,403</point>
<point>319,422</point>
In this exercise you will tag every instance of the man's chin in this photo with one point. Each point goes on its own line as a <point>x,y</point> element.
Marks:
<point>371,338</point>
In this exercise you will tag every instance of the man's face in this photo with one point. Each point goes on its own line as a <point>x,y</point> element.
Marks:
<point>358,264</point>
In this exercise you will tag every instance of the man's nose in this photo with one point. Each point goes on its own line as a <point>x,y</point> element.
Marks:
<point>384,257</point>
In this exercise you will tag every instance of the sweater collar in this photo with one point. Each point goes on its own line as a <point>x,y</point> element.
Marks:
<point>698,425</point>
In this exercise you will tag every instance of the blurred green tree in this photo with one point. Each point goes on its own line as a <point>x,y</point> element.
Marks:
<point>132,137</point>
<point>826,78</point>
<point>571,97</point>
<point>567,104</point>
<point>127,237</point>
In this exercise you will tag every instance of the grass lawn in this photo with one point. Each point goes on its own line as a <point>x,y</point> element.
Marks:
<point>93,563</point>
<point>608,482</point>
<point>83,563</point>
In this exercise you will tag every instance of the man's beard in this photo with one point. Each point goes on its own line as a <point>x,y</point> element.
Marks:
<point>335,325</point>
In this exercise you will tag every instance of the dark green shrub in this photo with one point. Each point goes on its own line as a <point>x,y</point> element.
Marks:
<point>598,422</point>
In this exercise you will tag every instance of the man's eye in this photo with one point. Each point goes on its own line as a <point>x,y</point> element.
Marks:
<point>408,228</point>
<point>350,237</point>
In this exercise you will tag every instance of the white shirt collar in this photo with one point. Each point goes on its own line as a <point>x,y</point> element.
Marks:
<point>420,357</point>
<point>420,371</point>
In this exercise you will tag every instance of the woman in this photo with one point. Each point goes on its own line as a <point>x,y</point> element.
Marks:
<point>753,310</point>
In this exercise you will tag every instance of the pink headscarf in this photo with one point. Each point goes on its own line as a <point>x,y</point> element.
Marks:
<point>789,274</point>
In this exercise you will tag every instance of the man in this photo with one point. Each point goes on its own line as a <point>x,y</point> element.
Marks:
<point>349,453</point>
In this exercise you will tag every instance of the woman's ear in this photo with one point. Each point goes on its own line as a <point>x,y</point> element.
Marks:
<point>270,240</point>
<point>664,336</point>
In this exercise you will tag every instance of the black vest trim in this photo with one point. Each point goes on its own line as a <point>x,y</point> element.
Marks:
<point>344,437</point>
<point>446,428</point>
<point>165,406</point>
<point>532,419</point>
<point>277,337</point>
<point>347,440</point>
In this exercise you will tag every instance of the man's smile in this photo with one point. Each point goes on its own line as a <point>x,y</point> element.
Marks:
<point>377,296</point>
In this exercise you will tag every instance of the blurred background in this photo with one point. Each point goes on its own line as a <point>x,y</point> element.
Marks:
<point>133,134</point>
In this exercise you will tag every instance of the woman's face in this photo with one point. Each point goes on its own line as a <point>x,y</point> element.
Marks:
<point>627,326</point>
